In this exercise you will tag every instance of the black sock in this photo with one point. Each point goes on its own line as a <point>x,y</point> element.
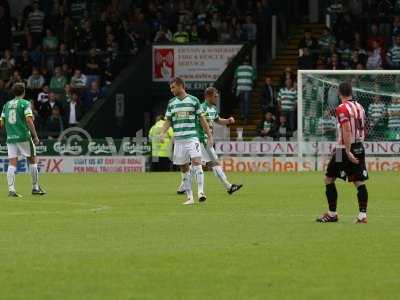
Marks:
<point>331,195</point>
<point>362,196</point>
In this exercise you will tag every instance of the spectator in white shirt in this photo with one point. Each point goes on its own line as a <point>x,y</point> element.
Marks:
<point>73,111</point>
<point>374,61</point>
<point>79,80</point>
<point>43,96</point>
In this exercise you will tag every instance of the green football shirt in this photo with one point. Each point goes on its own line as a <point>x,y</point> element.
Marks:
<point>210,112</point>
<point>14,119</point>
<point>183,115</point>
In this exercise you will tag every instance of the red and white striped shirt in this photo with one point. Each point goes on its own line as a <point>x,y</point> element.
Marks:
<point>352,112</point>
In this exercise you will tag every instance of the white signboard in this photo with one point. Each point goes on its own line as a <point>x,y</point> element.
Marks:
<point>193,63</point>
<point>291,148</point>
<point>82,164</point>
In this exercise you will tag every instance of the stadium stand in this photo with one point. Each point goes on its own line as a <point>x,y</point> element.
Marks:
<point>75,49</point>
<point>358,38</point>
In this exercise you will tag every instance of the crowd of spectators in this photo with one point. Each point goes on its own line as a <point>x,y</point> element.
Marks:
<point>68,51</point>
<point>364,35</point>
<point>66,56</point>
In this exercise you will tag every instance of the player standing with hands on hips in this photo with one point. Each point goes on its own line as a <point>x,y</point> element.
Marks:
<point>183,113</point>
<point>17,119</point>
<point>348,160</point>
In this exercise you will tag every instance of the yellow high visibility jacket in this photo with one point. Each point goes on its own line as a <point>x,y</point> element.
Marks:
<point>160,149</point>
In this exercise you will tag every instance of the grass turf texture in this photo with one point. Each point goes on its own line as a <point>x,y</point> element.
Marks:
<point>129,237</point>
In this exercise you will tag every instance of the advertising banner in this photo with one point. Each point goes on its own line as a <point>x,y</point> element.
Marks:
<point>193,63</point>
<point>291,164</point>
<point>82,164</point>
<point>96,147</point>
<point>291,148</point>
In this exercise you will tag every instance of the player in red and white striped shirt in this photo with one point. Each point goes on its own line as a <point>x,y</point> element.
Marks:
<point>348,161</point>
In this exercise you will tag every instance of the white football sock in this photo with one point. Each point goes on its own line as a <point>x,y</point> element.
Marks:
<point>221,176</point>
<point>198,171</point>
<point>332,213</point>
<point>182,185</point>
<point>187,183</point>
<point>362,215</point>
<point>11,178</point>
<point>35,176</point>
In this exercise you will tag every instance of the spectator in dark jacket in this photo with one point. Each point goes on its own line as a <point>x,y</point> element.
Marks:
<point>73,111</point>
<point>92,95</point>
<point>268,99</point>
<point>55,124</point>
<point>63,56</point>
<point>306,61</point>
<point>308,41</point>
<point>267,127</point>
<point>210,34</point>
<point>47,107</point>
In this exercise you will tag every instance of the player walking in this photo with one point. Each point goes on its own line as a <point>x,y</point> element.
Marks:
<point>348,160</point>
<point>17,118</point>
<point>183,113</point>
<point>209,156</point>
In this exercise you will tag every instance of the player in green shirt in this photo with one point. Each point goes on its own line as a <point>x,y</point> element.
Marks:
<point>209,156</point>
<point>183,111</point>
<point>17,118</point>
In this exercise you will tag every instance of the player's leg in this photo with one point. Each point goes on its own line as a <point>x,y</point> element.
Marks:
<point>187,183</point>
<point>181,158</point>
<point>12,168</point>
<point>358,174</point>
<point>199,176</point>
<point>181,187</point>
<point>33,168</point>
<point>28,150</point>
<point>362,196</point>
<point>214,164</point>
<point>333,171</point>
<point>197,169</point>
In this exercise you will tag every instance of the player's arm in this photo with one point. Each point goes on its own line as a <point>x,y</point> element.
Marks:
<point>207,130</point>
<point>166,126</point>
<point>346,131</point>
<point>2,118</point>
<point>31,125</point>
<point>222,121</point>
<point>164,129</point>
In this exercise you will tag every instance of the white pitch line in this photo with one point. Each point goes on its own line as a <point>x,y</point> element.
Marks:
<point>97,209</point>
<point>24,213</point>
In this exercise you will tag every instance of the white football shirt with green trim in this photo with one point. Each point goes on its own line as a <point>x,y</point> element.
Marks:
<point>183,115</point>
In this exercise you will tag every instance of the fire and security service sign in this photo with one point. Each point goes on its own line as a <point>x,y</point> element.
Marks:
<point>193,63</point>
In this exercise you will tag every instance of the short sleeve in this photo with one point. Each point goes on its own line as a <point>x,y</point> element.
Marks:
<point>342,115</point>
<point>168,113</point>
<point>217,117</point>
<point>27,109</point>
<point>197,107</point>
<point>3,115</point>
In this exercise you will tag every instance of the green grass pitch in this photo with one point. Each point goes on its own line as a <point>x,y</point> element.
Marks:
<point>129,237</point>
